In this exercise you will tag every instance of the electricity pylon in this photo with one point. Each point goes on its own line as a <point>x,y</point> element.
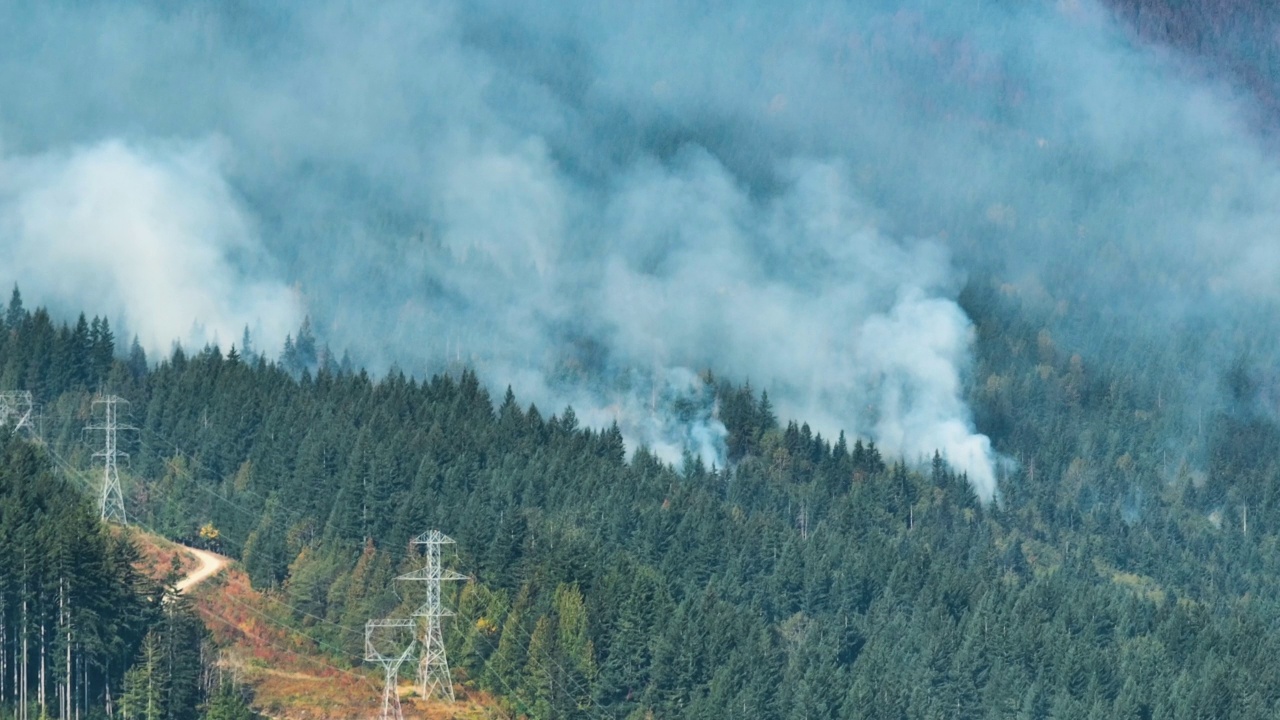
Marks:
<point>389,643</point>
<point>111,500</point>
<point>16,409</point>
<point>433,662</point>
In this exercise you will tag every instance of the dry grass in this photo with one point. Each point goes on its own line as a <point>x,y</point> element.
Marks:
<point>158,555</point>
<point>292,677</point>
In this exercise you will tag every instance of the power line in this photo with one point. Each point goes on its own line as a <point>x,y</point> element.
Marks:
<point>16,409</point>
<point>111,499</point>
<point>389,643</point>
<point>433,661</point>
<point>314,661</point>
<point>528,637</point>
<point>87,484</point>
<point>277,554</point>
<point>434,674</point>
<point>195,461</point>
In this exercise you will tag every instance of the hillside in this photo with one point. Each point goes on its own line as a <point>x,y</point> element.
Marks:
<point>810,578</point>
<point>88,622</point>
<point>260,643</point>
<point>1233,38</point>
<point>902,359</point>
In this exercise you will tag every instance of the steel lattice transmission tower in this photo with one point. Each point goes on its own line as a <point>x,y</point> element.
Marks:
<point>389,643</point>
<point>433,662</point>
<point>111,500</point>
<point>16,409</point>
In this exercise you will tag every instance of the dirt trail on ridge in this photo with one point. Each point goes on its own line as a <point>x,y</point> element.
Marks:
<point>210,565</point>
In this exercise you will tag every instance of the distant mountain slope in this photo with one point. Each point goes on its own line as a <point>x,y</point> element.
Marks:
<point>1236,38</point>
<point>813,577</point>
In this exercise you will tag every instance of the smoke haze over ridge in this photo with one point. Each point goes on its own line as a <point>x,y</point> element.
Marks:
<point>593,202</point>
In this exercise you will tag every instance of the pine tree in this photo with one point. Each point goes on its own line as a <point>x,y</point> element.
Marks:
<point>137,361</point>
<point>146,685</point>
<point>16,314</point>
<point>228,703</point>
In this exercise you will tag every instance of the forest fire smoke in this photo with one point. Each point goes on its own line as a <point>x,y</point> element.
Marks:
<point>794,197</point>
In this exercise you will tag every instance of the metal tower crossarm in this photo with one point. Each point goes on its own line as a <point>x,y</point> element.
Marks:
<point>111,499</point>
<point>16,408</point>
<point>433,664</point>
<point>389,642</point>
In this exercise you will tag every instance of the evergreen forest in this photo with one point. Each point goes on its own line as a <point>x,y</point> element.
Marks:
<point>813,577</point>
<point>82,632</point>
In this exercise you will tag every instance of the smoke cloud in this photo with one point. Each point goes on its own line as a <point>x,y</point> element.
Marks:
<point>153,238</point>
<point>595,202</point>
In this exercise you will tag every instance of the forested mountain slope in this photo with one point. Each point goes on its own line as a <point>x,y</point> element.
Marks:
<point>82,632</point>
<point>1236,38</point>
<point>812,578</point>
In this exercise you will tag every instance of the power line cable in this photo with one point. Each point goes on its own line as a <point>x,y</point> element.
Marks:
<point>584,692</point>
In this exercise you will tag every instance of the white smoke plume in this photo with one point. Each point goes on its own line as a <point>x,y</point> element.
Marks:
<point>595,202</point>
<point>153,238</point>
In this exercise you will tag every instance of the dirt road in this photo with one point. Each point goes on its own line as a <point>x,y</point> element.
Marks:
<point>210,565</point>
